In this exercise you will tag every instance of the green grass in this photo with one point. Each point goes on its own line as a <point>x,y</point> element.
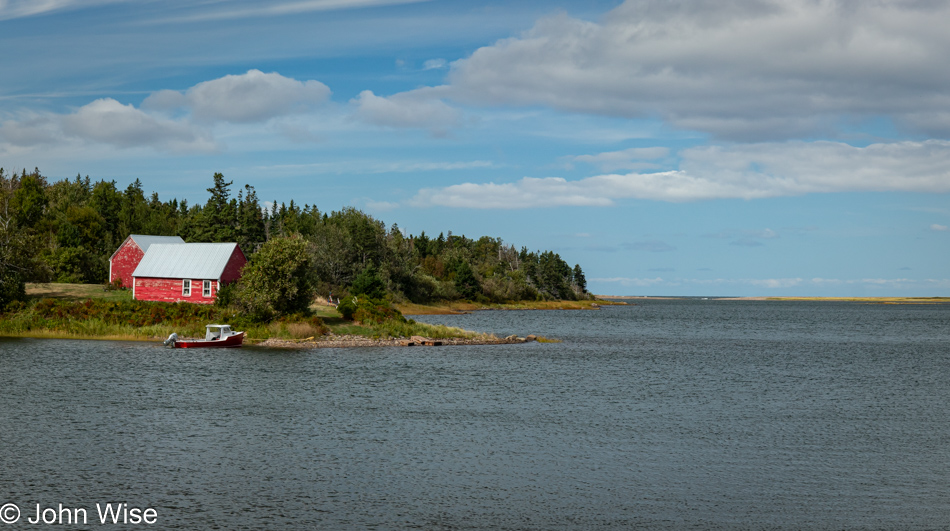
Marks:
<point>75,292</point>
<point>81,311</point>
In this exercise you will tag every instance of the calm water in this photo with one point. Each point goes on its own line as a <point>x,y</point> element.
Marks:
<point>665,415</point>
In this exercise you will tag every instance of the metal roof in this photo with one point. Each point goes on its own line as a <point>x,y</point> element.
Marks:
<point>145,241</point>
<point>185,260</point>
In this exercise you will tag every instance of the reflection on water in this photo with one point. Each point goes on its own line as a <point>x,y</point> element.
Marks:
<point>667,414</point>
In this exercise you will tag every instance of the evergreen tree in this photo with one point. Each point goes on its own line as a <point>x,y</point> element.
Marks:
<point>217,220</point>
<point>580,282</point>
<point>29,200</point>
<point>465,281</point>
<point>251,230</point>
<point>368,283</point>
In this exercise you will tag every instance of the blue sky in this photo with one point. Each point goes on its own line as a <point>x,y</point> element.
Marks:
<point>729,147</point>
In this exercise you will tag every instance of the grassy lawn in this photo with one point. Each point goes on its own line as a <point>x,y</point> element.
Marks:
<point>77,292</point>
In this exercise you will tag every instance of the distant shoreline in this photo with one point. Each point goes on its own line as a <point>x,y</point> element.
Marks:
<point>880,300</point>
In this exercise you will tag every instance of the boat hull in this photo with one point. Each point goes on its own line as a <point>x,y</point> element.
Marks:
<point>231,341</point>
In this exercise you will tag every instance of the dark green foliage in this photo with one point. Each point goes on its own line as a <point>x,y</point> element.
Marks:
<point>279,281</point>
<point>134,313</point>
<point>347,307</point>
<point>580,282</point>
<point>251,230</point>
<point>216,222</point>
<point>226,295</point>
<point>368,284</point>
<point>465,281</point>
<point>66,231</point>
<point>12,287</point>
<point>369,311</point>
<point>29,201</point>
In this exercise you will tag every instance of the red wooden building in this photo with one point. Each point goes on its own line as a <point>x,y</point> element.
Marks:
<point>186,272</point>
<point>127,257</point>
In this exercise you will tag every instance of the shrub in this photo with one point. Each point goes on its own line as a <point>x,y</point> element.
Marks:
<point>368,284</point>
<point>278,281</point>
<point>369,311</point>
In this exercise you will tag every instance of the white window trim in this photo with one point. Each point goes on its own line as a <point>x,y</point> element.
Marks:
<point>186,287</point>
<point>206,288</point>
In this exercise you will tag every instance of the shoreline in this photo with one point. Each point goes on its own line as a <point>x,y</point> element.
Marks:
<point>350,341</point>
<point>880,300</point>
<point>461,307</point>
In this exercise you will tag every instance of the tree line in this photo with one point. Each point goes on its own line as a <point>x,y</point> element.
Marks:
<point>65,231</point>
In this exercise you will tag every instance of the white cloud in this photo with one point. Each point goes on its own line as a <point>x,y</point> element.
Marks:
<point>374,166</point>
<point>529,192</point>
<point>11,9</point>
<point>109,122</point>
<point>939,228</point>
<point>250,97</point>
<point>31,130</point>
<point>775,283</point>
<point>739,69</point>
<point>434,64</point>
<point>627,159</point>
<point>106,121</point>
<point>748,171</point>
<point>250,9</point>
<point>413,109</point>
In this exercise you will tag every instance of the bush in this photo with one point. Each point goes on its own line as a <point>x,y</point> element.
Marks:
<point>278,281</point>
<point>369,311</point>
<point>226,295</point>
<point>368,284</point>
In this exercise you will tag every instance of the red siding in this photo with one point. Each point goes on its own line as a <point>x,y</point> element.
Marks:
<point>125,261</point>
<point>169,290</point>
<point>232,271</point>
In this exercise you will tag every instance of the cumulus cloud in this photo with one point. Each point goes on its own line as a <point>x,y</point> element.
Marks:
<point>106,121</point>
<point>31,130</point>
<point>627,159</point>
<point>413,109</point>
<point>250,97</point>
<point>747,171</point>
<point>109,122</point>
<point>747,70</point>
<point>939,228</point>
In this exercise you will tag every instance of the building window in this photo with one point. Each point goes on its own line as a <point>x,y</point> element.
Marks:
<point>206,290</point>
<point>186,288</point>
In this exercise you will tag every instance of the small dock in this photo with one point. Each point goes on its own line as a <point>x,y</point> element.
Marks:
<point>420,341</point>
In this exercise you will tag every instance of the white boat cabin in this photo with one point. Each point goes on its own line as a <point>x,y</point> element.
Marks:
<point>218,331</point>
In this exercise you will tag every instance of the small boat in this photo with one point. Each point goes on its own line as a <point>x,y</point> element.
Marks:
<point>216,335</point>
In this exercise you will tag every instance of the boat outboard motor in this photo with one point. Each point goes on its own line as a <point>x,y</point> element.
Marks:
<point>171,339</point>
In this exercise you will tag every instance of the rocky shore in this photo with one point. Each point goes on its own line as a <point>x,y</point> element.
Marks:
<point>348,341</point>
